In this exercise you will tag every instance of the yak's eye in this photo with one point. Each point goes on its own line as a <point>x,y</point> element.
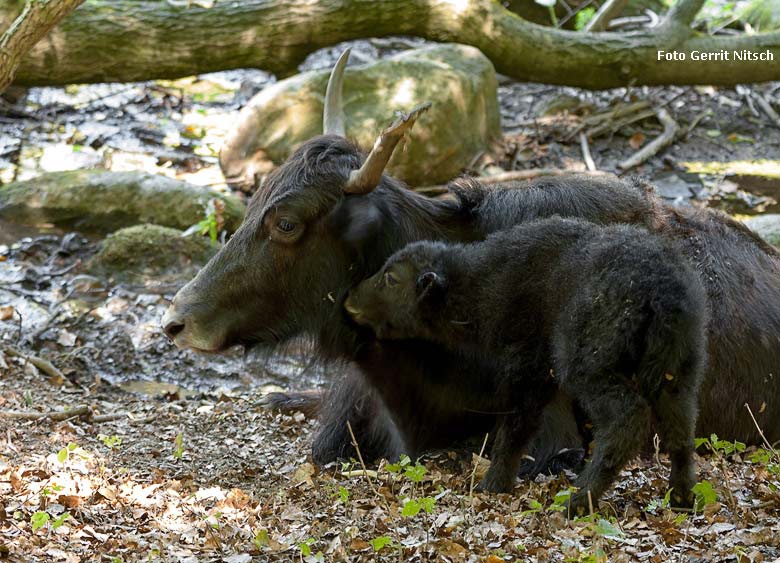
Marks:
<point>285,225</point>
<point>390,279</point>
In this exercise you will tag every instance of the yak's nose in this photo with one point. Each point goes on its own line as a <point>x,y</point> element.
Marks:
<point>173,328</point>
<point>172,324</point>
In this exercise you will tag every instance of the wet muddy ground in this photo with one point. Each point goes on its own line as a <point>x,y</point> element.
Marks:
<point>170,455</point>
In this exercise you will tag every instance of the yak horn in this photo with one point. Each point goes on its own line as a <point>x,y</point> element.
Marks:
<point>333,113</point>
<point>369,175</point>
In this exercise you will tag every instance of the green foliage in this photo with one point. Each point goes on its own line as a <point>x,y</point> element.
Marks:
<point>412,507</point>
<point>343,495</point>
<point>583,17</point>
<point>705,494</point>
<point>396,467</point>
<point>607,529</point>
<point>305,547</point>
<point>46,491</point>
<point>380,543</point>
<point>533,507</point>
<point>560,499</point>
<point>414,473</point>
<point>261,539</point>
<point>39,520</point>
<point>60,520</point>
<point>211,224</point>
<point>64,454</point>
<point>659,504</point>
<point>178,450</point>
<point>717,446</point>
<point>111,442</point>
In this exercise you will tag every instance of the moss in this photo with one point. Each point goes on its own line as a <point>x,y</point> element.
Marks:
<point>150,251</point>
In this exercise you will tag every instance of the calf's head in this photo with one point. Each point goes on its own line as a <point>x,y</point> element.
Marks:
<point>401,300</point>
<point>317,225</point>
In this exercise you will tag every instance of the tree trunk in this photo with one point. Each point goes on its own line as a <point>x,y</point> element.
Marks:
<point>35,21</point>
<point>129,40</point>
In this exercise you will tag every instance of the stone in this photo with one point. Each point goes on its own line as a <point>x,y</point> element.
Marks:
<point>462,122</point>
<point>147,251</point>
<point>767,226</point>
<point>102,201</point>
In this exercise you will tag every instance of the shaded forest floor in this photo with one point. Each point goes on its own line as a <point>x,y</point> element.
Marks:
<point>172,456</point>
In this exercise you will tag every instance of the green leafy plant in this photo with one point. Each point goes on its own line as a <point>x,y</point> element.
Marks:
<point>64,454</point>
<point>111,442</point>
<point>583,17</point>
<point>261,539</point>
<point>212,223</point>
<point>723,447</point>
<point>343,494</point>
<point>379,543</point>
<point>658,504</point>
<point>178,450</point>
<point>705,494</point>
<point>39,520</point>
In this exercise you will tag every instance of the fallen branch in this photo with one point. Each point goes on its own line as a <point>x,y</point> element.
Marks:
<point>82,411</point>
<point>764,105</point>
<point>656,145</point>
<point>586,156</point>
<point>35,21</point>
<point>89,46</point>
<point>44,365</point>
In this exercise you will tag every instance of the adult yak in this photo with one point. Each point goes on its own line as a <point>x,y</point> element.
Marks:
<point>328,218</point>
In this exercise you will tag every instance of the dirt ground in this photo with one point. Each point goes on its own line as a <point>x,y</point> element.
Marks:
<point>171,456</point>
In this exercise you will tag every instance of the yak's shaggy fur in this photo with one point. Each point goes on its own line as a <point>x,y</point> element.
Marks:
<point>612,315</point>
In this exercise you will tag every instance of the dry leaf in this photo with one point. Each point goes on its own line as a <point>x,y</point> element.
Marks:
<point>637,140</point>
<point>7,312</point>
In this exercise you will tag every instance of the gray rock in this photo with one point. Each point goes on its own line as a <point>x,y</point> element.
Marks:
<point>103,201</point>
<point>464,119</point>
<point>150,252</point>
<point>767,226</point>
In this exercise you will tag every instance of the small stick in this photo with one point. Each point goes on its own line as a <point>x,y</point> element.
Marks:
<point>586,156</point>
<point>360,458</point>
<point>590,503</point>
<point>761,101</point>
<point>608,11</point>
<point>57,416</point>
<point>769,446</point>
<point>44,365</point>
<point>656,145</point>
<point>474,471</point>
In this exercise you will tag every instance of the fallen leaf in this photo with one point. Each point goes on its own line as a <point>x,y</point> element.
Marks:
<point>7,312</point>
<point>637,140</point>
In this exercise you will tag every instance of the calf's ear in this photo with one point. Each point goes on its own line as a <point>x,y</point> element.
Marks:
<point>430,285</point>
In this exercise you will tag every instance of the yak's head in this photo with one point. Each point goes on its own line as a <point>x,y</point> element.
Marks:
<point>403,299</point>
<point>319,223</point>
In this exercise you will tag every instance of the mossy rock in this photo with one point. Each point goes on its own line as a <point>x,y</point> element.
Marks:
<point>151,252</point>
<point>462,122</point>
<point>767,226</point>
<point>103,201</point>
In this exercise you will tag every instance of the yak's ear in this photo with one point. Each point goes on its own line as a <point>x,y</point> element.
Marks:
<point>429,285</point>
<point>359,221</point>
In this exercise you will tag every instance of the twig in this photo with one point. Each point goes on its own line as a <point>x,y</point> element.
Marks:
<point>44,365</point>
<point>656,145</point>
<point>81,411</point>
<point>608,11</point>
<point>769,446</point>
<point>362,463</point>
<point>586,156</point>
<point>764,105</point>
<point>683,12</point>
<point>474,471</point>
<point>57,416</point>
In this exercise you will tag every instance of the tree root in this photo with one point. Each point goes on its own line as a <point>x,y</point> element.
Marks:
<point>656,145</point>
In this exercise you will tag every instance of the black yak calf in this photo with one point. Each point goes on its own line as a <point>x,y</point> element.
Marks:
<point>612,315</point>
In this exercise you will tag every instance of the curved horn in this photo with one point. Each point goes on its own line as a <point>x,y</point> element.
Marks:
<point>333,113</point>
<point>367,178</point>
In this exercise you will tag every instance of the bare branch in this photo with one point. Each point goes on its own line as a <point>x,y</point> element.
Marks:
<point>608,11</point>
<point>35,21</point>
<point>657,144</point>
<point>683,12</point>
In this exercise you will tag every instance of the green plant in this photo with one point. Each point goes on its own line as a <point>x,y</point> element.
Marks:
<point>178,450</point>
<point>659,504</point>
<point>261,539</point>
<point>717,446</point>
<point>40,519</point>
<point>111,442</point>
<point>705,495</point>
<point>64,454</point>
<point>212,223</point>
<point>550,5</point>
<point>583,17</point>
<point>379,543</point>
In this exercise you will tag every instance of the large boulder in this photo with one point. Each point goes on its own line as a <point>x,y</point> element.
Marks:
<point>463,122</point>
<point>145,252</point>
<point>103,201</point>
<point>767,226</point>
